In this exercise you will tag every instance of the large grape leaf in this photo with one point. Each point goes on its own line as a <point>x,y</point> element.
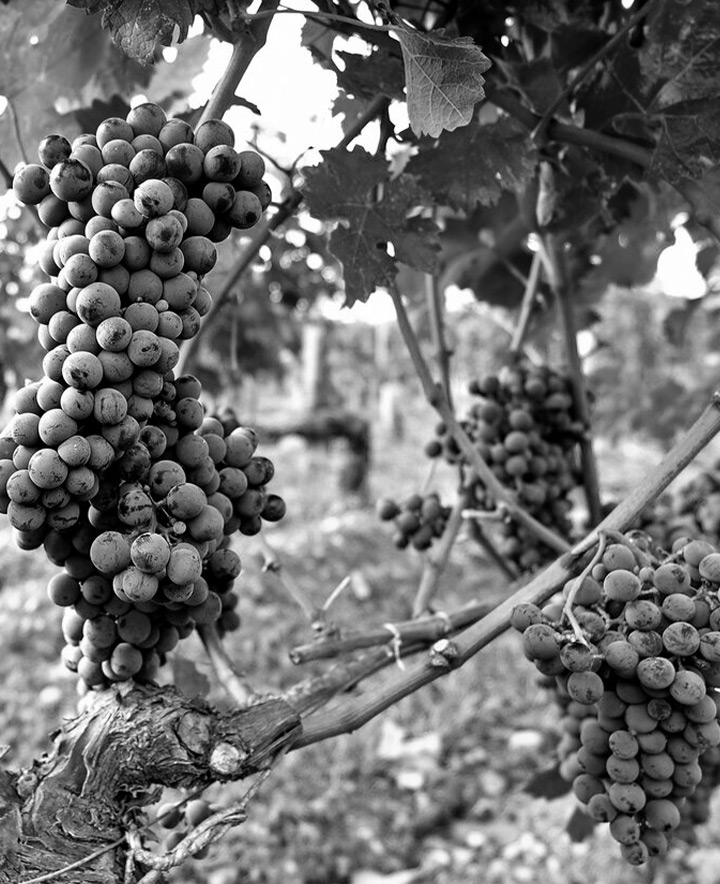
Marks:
<point>55,60</point>
<point>475,164</point>
<point>137,26</point>
<point>374,211</point>
<point>443,77</point>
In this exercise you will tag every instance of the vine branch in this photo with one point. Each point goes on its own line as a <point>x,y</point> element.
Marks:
<point>351,714</point>
<point>249,43</point>
<point>556,270</point>
<point>421,629</point>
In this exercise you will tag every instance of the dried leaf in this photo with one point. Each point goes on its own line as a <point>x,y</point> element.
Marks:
<point>443,77</point>
<point>580,826</point>
<point>547,783</point>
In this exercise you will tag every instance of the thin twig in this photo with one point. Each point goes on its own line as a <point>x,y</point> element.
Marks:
<point>434,299</point>
<point>249,43</point>
<point>273,565</point>
<point>485,542</point>
<point>16,130</point>
<point>589,66</point>
<point>436,397</point>
<point>438,556</point>
<point>6,174</point>
<point>418,630</point>
<point>239,691</point>
<point>556,271</point>
<point>527,304</point>
<point>352,713</point>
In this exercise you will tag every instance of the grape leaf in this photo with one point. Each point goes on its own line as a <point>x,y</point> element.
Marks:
<point>137,26</point>
<point>443,77</point>
<point>689,142</point>
<point>345,188</point>
<point>475,164</point>
<point>379,73</point>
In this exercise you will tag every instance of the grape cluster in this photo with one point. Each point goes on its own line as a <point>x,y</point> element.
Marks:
<point>418,520</point>
<point>637,679</point>
<point>523,426</point>
<point>111,463</point>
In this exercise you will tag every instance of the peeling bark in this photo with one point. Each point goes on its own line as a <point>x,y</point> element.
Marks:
<point>111,759</point>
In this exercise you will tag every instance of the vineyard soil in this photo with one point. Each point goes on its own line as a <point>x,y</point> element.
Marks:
<point>430,792</point>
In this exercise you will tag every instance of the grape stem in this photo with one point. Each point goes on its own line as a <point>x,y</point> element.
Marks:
<point>435,302</point>
<point>438,556</point>
<point>526,306</point>
<point>237,689</point>
<point>478,534</point>
<point>249,42</point>
<point>273,565</point>
<point>352,713</point>
<point>556,271</point>
<point>438,400</point>
<point>567,611</point>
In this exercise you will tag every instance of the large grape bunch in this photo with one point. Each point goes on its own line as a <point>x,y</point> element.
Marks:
<point>110,462</point>
<point>523,425</point>
<point>637,678</point>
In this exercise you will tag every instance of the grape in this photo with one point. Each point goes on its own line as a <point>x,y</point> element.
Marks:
<point>681,639</point>
<point>150,552</point>
<point>688,688</point>
<point>110,552</point>
<point>184,565</point>
<point>63,590</point>
<point>621,585</point>
<point>656,672</point>
<point>126,660</point>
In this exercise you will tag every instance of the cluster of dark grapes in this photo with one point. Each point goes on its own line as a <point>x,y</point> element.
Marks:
<point>110,462</point>
<point>418,520</point>
<point>636,677</point>
<point>524,427</point>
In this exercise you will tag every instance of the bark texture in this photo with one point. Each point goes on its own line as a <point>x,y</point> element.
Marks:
<point>110,760</point>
